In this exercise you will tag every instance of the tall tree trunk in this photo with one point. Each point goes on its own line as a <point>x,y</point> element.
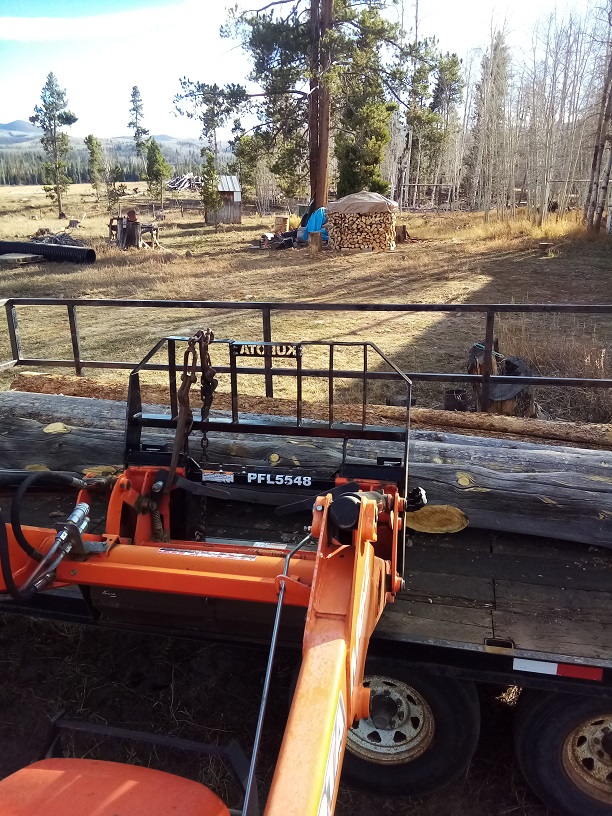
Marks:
<point>324,105</point>
<point>603,191</point>
<point>602,127</point>
<point>417,176</point>
<point>313,100</point>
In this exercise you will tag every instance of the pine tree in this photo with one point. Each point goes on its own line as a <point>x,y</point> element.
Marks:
<point>318,40</point>
<point>365,118</point>
<point>94,164</point>
<point>158,170</point>
<point>51,115</point>
<point>135,123</point>
<point>209,191</point>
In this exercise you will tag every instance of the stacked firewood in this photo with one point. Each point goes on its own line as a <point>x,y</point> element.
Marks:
<point>374,231</point>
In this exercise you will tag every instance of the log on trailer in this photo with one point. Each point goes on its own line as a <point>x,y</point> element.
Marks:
<point>532,489</point>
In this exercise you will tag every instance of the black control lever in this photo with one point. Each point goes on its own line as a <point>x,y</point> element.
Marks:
<point>197,488</point>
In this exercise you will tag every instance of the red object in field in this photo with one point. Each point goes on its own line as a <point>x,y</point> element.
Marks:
<point>91,787</point>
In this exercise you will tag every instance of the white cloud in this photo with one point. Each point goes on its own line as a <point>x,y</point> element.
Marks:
<point>134,22</point>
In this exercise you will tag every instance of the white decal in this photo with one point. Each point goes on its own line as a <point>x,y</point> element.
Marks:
<point>208,554</point>
<point>215,476</point>
<point>332,767</point>
<point>279,479</point>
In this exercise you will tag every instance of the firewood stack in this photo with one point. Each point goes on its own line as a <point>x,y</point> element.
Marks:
<point>374,231</point>
<point>362,220</point>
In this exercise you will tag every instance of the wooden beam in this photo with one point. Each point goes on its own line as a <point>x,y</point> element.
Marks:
<point>531,489</point>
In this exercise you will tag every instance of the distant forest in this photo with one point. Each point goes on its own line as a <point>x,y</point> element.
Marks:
<point>24,165</point>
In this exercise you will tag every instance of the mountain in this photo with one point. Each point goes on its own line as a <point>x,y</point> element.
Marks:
<point>20,126</point>
<point>22,134</point>
<point>19,132</point>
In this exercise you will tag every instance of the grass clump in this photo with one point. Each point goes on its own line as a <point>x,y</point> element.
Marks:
<point>568,347</point>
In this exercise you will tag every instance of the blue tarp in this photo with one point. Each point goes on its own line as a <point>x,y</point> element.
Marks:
<point>315,224</point>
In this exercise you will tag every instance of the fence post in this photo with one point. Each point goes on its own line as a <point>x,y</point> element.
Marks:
<point>13,329</point>
<point>488,360</point>
<point>75,339</point>
<point>267,336</point>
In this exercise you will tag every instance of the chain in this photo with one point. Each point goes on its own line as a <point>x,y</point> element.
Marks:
<point>208,385</point>
<point>184,421</point>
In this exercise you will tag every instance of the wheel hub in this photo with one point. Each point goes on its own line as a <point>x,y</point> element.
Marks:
<point>587,757</point>
<point>400,727</point>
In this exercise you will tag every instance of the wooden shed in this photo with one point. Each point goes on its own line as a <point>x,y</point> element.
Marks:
<point>231,206</point>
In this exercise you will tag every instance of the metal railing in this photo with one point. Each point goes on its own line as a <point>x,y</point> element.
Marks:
<point>266,308</point>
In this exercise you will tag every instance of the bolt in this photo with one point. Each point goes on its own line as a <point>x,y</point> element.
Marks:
<point>73,572</point>
<point>157,487</point>
<point>307,529</point>
<point>319,507</point>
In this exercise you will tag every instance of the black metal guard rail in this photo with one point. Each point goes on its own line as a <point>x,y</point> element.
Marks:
<point>490,310</point>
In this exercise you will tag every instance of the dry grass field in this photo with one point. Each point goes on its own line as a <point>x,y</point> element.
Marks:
<point>200,691</point>
<point>457,259</point>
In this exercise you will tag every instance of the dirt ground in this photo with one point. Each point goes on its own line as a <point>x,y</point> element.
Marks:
<point>199,691</point>
<point>208,692</point>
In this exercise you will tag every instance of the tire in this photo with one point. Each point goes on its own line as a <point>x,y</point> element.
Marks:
<point>563,745</point>
<point>421,734</point>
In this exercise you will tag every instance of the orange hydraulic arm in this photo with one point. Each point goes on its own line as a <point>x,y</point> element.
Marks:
<point>344,584</point>
<point>350,587</point>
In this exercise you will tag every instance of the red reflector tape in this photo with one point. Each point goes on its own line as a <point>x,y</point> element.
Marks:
<point>581,672</point>
<point>558,669</point>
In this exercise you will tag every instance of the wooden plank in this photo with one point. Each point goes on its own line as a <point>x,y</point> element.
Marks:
<point>593,575</point>
<point>14,259</point>
<point>469,540</point>
<point>521,546</point>
<point>407,620</point>
<point>573,604</point>
<point>453,590</point>
<point>555,634</point>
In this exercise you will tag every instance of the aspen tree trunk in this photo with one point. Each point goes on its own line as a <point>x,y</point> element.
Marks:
<point>602,128</point>
<point>417,177</point>
<point>603,190</point>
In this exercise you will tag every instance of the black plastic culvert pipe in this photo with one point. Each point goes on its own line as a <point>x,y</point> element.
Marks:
<point>52,252</point>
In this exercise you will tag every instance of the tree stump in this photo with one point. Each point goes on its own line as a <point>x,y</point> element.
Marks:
<point>315,243</point>
<point>133,235</point>
<point>121,230</point>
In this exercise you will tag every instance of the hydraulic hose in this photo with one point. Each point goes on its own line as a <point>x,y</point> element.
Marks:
<point>7,572</point>
<point>23,488</point>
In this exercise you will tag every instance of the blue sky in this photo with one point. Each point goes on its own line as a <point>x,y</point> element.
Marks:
<point>99,49</point>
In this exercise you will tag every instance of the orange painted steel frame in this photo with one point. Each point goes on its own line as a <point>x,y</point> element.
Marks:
<point>345,586</point>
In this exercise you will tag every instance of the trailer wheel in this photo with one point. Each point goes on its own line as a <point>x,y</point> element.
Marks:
<point>421,733</point>
<point>563,745</point>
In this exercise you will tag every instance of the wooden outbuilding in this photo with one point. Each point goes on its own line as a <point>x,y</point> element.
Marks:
<point>231,206</point>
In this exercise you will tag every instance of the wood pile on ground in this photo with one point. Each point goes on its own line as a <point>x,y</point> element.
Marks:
<point>58,239</point>
<point>375,231</point>
<point>185,182</point>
